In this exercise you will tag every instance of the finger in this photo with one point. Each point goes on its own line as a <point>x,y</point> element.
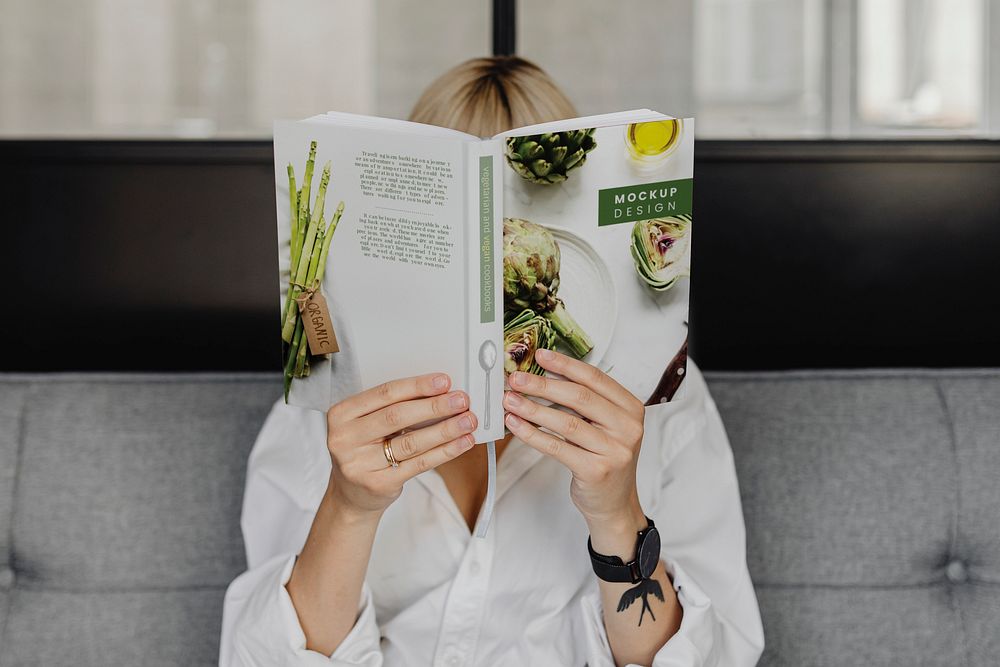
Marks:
<point>432,458</point>
<point>567,425</point>
<point>395,417</point>
<point>584,400</point>
<point>588,375</point>
<point>387,393</point>
<point>566,453</point>
<point>413,443</point>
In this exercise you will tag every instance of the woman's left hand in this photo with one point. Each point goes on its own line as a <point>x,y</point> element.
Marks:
<point>599,444</point>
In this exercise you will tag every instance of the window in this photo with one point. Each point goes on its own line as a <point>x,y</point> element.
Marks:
<point>745,68</point>
<point>845,68</point>
<point>920,64</point>
<point>217,68</point>
<point>759,68</point>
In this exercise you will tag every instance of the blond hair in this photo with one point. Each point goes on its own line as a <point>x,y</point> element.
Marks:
<point>485,96</point>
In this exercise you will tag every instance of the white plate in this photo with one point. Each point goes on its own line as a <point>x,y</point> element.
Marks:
<point>587,290</point>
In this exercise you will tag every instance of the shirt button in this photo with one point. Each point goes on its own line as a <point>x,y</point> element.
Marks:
<point>452,660</point>
<point>474,568</point>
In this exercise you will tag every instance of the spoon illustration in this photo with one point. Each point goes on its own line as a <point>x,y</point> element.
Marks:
<point>487,360</point>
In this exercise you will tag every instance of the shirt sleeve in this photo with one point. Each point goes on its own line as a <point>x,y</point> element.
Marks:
<point>693,496</point>
<point>261,628</point>
<point>259,624</point>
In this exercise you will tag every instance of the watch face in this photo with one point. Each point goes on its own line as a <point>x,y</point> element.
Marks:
<point>649,553</point>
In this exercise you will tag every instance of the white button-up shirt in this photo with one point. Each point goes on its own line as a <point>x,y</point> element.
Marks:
<point>523,595</point>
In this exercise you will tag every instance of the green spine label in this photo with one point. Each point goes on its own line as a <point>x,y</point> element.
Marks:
<point>487,307</point>
<point>644,202</point>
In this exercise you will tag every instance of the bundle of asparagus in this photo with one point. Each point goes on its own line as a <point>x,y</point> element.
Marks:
<point>310,246</point>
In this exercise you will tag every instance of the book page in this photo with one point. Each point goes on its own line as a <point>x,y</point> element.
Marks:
<point>394,276</point>
<point>596,121</point>
<point>618,218</point>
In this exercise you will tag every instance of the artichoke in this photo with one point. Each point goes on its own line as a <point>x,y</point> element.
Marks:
<point>548,158</point>
<point>660,249</point>
<point>531,280</point>
<point>523,335</point>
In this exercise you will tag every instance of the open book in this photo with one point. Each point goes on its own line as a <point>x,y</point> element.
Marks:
<point>406,249</point>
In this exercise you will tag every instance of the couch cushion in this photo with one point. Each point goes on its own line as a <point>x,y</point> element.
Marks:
<point>862,627</point>
<point>135,482</point>
<point>979,606</point>
<point>871,506</point>
<point>125,529</point>
<point>4,611</point>
<point>974,404</point>
<point>151,628</point>
<point>845,480</point>
<point>12,392</point>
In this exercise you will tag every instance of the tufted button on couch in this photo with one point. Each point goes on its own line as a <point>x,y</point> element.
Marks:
<point>871,498</point>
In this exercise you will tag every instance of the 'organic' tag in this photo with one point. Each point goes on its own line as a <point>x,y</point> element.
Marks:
<point>317,323</point>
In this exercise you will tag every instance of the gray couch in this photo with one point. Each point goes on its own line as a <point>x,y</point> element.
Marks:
<point>871,500</point>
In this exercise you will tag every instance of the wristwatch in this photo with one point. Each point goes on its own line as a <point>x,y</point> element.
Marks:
<point>647,555</point>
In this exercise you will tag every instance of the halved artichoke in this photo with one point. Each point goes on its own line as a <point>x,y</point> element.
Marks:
<point>531,261</point>
<point>661,250</point>
<point>521,337</point>
<point>548,158</point>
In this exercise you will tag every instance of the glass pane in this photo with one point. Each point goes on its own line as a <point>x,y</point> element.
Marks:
<point>208,68</point>
<point>920,63</point>
<point>611,56</point>
<point>745,68</point>
<point>758,68</point>
<point>416,42</point>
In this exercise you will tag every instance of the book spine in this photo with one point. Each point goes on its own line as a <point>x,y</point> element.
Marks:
<point>484,306</point>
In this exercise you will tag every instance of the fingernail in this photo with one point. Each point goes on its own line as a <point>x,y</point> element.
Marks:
<point>545,355</point>
<point>440,381</point>
<point>467,442</point>
<point>457,400</point>
<point>513,420</point>
<point>518,379</point>
<point>465,423</point>
<point>513,399</point>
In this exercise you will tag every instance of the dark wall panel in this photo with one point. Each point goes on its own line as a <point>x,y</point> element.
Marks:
<point>847,255</point>
<point>161,255</point>
<point>138,256</point>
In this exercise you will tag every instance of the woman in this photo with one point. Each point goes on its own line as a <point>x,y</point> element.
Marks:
<point>355,562</point>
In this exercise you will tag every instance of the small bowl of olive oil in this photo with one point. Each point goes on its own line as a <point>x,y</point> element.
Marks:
<point>652,143</point>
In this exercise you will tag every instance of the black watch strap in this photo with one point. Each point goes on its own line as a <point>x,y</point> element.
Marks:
<point>613,568</point>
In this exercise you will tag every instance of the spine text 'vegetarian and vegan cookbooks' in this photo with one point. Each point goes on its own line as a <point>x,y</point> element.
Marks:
<point>406,249</point>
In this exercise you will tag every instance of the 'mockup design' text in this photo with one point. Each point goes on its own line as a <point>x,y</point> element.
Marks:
<point>644,202</point>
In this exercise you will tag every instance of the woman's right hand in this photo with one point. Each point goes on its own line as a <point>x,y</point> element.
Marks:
<point>326,580</point>
<point>361,478</point>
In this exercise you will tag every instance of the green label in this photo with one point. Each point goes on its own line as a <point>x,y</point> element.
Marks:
<point>644,202</point>
<point>487,307</point>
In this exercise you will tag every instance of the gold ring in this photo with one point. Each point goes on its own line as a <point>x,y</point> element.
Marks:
<point>387,450</point>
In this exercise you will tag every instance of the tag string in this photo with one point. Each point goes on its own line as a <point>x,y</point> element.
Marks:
<point>307,293</point>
